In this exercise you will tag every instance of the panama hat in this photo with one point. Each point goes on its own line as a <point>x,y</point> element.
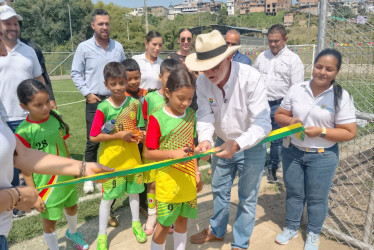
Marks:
<point>7,12</point>
<point>211,49</point>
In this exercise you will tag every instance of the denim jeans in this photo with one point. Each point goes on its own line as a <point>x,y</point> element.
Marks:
<point>276,145</point>
<point>90,154</point>
<point>249,165</point>
<point>13,125</point>
<point>3,243</point>
<point>308,178</point>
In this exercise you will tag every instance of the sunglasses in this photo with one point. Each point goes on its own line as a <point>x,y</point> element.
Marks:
<point>183,39</point>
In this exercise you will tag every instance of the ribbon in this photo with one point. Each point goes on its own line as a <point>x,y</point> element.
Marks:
<point>273,135</point>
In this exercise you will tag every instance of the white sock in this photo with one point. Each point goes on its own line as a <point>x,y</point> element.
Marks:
<point>155,246</point>
<point>51,239</point>
<point>104,212</point>
<point>72,222</point>
<point>152,218</point>
<point>134,206</point>
<point>179,240</point>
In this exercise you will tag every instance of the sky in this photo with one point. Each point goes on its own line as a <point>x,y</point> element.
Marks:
<point>140,3</point>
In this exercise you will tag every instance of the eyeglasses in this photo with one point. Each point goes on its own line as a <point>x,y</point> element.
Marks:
<point>183,39</point>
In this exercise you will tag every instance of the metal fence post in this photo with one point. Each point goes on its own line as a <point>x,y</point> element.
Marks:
<point>322,24</point>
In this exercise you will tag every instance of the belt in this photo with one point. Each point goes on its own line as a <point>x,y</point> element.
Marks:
<point>276,102</point>
<point>102,97</point>
<point>309,150</point>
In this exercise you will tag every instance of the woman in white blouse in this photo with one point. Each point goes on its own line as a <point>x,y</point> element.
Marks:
<point>309,159</point>
<point>149,62</point>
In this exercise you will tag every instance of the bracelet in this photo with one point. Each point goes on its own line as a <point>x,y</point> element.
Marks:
<point>82,169</point>
<point>19,195</point>
<point>12,195</point>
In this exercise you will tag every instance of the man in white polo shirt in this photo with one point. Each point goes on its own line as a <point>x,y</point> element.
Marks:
<point>232,103</point>
<point>280,69</point>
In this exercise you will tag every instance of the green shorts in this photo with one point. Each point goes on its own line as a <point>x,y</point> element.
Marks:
<point>55,212</point>
<point>167,213</point>
<point>116,188</point>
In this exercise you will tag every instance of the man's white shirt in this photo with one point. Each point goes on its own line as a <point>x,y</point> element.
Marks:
<point>243,115</point>
<point>280,71</point>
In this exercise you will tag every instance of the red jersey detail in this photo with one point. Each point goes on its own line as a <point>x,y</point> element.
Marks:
<point>23,140</point>
<point>97,123</point>
<point>152,140</point>
<point>145,109</point>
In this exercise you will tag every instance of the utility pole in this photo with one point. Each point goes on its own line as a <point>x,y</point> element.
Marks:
<point>307,40</point>
<point>71,31</point>
<point>127,24</point>
<point>146,16</point>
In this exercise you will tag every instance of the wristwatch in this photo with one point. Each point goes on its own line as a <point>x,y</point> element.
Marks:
<point>323,133</point>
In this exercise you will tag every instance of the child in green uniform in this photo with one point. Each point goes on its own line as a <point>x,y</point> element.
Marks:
<point>154,101</point>
<point>171,132</point>
<point>44,130</point>
<point>119,149</point>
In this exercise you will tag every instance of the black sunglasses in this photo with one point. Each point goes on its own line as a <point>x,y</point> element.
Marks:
<point>183,39</point>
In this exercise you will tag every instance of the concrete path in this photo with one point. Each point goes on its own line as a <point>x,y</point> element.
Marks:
<point>270,217</point>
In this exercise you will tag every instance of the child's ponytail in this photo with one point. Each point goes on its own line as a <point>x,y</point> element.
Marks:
<point>59,118</point>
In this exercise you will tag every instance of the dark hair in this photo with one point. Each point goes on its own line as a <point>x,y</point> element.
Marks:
<point>114,69</point>
<point>183,30</point>
<point>338,91</point>
<point>277,28</point>
<point>130,64</point>
<point>30,87</point>
<point>98,12</point>
<point>152,34</point>
<point>170,65</point>
<point>179,78</point>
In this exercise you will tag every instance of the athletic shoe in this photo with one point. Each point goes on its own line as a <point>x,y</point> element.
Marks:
<point>18,213</point>
<point>312,241</point>
<point>88,187</point>
<point>270,176</point>
<point>147,231</point>
<point>285,236</point>
<point>274,173</point>
<point>77,239</point>
<point>140,235</point>
<point>102,242</point>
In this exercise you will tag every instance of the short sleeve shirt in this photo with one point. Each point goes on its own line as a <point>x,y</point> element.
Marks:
<point>153,102</point>
<point>317,111</point>
<point>20,64</point>
<point>175,183</point>
<point>150,72</point>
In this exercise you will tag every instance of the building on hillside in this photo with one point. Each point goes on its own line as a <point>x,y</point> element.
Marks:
<point>137,12</point>
<point>308,6</point>
<point>361,19</point>
<point>230,7</point>
<point>288,20</point>
<point>159,11</point>
<point>251,6</point>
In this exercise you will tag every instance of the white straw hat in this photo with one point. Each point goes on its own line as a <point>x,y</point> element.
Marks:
<point>211,49</point>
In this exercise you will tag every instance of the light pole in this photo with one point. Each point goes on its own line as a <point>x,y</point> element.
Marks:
<point>71,31</point>
<point>127,17</point>
<point>146,16</point>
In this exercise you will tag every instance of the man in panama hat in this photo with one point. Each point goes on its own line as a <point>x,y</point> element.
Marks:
<point>232,103</point>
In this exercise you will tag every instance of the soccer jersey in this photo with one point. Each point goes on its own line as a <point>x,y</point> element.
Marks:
<point>140,95</point>
<point>175,183</point>
<point>118,153</point>
<point>48,136</point>
<point>153,102</point>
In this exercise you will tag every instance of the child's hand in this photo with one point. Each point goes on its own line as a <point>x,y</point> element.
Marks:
<point>199,183</point>
<point>179,153</point>
<point>126,136</point>
<point>39,205</point>
<point>143,135</point>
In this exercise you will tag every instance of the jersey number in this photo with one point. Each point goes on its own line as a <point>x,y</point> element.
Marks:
<point>114,183</point>
<point>170,208</point>
<point>41,145</point>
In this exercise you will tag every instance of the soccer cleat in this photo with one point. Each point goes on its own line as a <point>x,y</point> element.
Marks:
<point>312,241</point>
<point>113,221</point>
<point>102,242</point>
<point>285,236</point>
<point>140,235</point>
<point>88,187</point>
<point>77,239</point>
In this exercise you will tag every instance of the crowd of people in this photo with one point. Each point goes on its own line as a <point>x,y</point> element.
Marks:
<point>147,109</point>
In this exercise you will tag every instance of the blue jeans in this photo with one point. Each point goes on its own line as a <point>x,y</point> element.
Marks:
<point>249,165</point>
<point>276,145</point>
<point>13,125</point>
<point>3,243</point>
<point>308,178</point>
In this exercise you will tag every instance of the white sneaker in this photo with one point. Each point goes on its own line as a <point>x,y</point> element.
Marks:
<point>98,186</point>
<point>88,187</point>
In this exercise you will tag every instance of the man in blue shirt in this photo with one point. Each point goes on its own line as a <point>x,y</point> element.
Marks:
<point>87,73</point>
<point>232,38</point>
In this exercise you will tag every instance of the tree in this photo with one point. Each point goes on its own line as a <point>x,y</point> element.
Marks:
<point>344,12</point>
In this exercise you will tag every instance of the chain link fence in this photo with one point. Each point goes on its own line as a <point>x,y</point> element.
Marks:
<point>351,200</point>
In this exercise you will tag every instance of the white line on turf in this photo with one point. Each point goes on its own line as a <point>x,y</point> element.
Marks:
<point>59,105</point>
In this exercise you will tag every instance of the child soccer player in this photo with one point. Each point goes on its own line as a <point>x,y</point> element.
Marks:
<point>133,80</point>
<point>171,132</point>
<point>154,101</point>
<point>45,130</point>
<point>119,149</point>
